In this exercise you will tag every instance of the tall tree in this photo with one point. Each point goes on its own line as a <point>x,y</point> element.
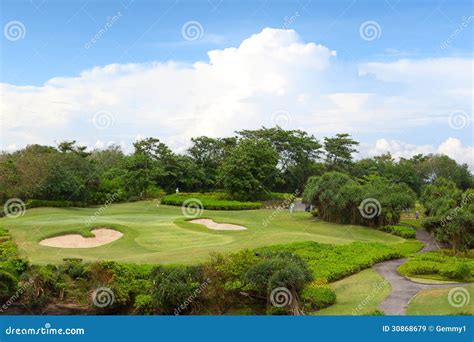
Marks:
<point>339,150</point>
<point>249,170</point>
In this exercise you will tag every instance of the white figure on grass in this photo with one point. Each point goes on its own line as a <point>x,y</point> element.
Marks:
<point>177,190</point>
<point>292,207</point>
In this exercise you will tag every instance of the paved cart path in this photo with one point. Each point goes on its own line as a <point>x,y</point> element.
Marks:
<point>403,289</point>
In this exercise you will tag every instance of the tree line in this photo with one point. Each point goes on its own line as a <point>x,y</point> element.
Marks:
<point>247,166</point>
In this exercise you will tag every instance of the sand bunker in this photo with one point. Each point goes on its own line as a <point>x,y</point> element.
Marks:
<point>218,226</point>
<point>102,236</point>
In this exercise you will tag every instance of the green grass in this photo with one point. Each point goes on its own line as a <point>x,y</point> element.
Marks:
<point>359,294</point>
<point>160,234</point>
<point>435,302</point>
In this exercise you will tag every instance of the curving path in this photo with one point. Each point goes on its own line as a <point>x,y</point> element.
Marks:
<point>404,289</point>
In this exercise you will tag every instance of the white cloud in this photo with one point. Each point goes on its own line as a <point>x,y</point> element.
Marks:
<point>451,147</point>
<point>239,88</point>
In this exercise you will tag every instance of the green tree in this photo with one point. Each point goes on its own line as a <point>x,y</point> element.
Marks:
<point>249,170</point>
<point>298,153</point>
<point>339,150</point>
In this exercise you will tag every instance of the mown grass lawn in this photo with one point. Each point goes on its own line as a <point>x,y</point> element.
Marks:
<point>435,302</point>
<point>359,294</point>
<point>160,234</point>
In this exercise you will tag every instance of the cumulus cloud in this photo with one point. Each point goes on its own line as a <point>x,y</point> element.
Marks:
<point>240,88</point>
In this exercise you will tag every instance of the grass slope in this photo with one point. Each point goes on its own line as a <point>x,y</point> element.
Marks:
<point>435,302</point>
<point>359,294</point>
<point>160,234</point>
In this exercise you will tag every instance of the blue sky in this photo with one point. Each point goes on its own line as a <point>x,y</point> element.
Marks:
<point>417,70</point>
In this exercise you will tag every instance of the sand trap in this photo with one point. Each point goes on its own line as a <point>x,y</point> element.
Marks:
<point>102,236</point>
<point>218,226</point>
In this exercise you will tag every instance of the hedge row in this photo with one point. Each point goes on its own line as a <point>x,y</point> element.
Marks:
<point>333,262</point>
<point>35,203</point>
<point>212,201</point>
<point>402,231</point>
<point>439,264</point>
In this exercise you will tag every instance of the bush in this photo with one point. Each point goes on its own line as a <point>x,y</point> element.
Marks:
<point>35,203</point>
<point>438,265</point>
<point>316,297</point>
<point>402,231</point>
<point>459,271</point>
<point>144,304</point>
<point>8,285</point>
<point>177,289</point>
<point>126,281</point>
<point>212,201</point>
<point>333,262</point>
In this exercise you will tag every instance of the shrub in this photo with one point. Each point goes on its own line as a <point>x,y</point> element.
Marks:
<point>376,312</point>
<point>315,297</point>
<point>126,281</point>
<point>438,265</point>
<point>402,231</point>
<point>35,203</point>
<point>8,285</point>
<point>333,262</point>
<point>459,271</point>
<point>212,201</point>
<point>177,289</point>
<point>144,304</point>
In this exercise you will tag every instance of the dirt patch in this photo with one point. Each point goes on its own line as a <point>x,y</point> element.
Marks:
<point>102,236</point>
<point>218,226</point>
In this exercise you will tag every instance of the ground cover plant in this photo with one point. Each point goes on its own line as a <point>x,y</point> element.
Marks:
<point>332,262</point>
<point>403,231</point>
<point>439,266</point>
<point>211,201</point>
